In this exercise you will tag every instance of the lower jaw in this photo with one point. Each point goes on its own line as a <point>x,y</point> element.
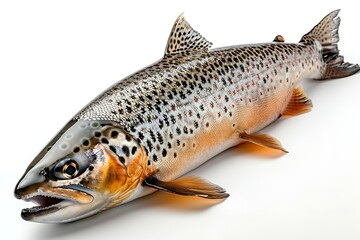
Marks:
<point>29,214</point>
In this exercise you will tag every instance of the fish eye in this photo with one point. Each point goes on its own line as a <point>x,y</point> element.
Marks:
<point>67,168</point>
<point>70,169</point>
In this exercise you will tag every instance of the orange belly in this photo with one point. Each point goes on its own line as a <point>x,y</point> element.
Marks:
<point>216,136</point>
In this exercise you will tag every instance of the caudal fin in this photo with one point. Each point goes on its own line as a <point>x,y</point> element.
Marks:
<point>327,33</point>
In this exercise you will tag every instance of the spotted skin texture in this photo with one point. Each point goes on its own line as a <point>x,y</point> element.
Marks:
<point>167,119</point>
<point>192,101</point>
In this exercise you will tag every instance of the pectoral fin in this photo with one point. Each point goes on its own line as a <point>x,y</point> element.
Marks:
<point>263,140</point>
<point>189,186</point>
<point>298,104</point>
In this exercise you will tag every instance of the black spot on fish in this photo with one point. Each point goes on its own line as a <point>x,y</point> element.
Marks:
<point>149,144</point>
<point>161,124</point>
<point>164,152</point>
<point>152,135</point>
<point>133,150</point>
<point>112,148</point>
<point>104,140</point>
<point>166,119</point>
<point>203,79</point>
<point>128,138</point>
<point>160,138</point>
<point>182,95</point>
<point>128,109</point>
<point>158,109</point>
<point>121,159</point>
<point>132,129</point>
<point>114,134</point>
<point>125,150</point>
<point>172,118</point>
<point>191,85</point>
<point>141,135</point>
<point>86,142</point>
<point>242,68</point>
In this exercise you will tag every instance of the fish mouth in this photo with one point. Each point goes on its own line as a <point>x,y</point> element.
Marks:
<point>53,200</point>
<point>45,204</point>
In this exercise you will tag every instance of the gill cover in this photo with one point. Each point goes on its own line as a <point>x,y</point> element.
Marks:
<point>88,167</point>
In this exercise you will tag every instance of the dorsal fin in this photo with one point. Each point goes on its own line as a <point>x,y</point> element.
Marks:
<point>184,37</point>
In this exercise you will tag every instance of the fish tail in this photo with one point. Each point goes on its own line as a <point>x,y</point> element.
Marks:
<point>327,33</point>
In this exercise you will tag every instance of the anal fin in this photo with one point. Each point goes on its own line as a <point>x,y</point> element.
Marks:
<point>189,186</point>
<point>263,140</point>
<point>298,104</point>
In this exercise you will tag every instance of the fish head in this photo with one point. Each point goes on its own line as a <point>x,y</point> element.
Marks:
<point>88,167</point>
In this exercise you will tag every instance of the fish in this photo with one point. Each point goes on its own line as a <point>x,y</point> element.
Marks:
<point>147,131</point>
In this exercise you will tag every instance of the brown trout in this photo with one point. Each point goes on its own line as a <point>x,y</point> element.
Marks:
<point>149,129</point>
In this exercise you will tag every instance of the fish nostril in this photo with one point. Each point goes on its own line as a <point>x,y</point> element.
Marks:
<point>43,172</point>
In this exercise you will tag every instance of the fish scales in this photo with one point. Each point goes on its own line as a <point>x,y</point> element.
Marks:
<point>146,131</point>
<point>170,105</point>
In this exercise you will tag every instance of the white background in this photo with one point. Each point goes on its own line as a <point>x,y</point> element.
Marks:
<point>55,56</point>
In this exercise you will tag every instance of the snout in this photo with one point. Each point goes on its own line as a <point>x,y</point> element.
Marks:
<point>29,182</point>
